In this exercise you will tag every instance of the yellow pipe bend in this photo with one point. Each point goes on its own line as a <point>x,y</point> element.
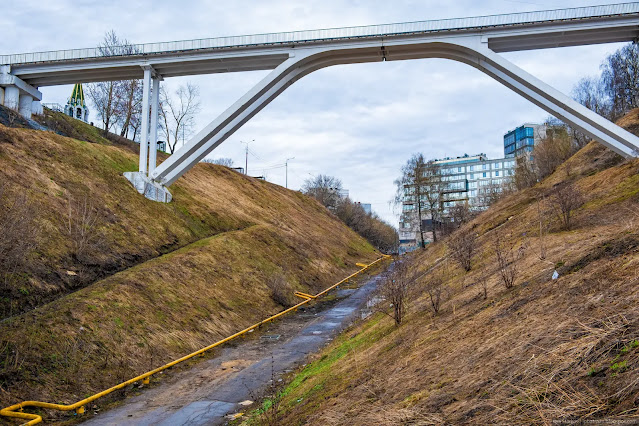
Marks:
<point>15,411</point>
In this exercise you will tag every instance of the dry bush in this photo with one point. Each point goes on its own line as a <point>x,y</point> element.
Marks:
<point>280,290</point>
<point>461,213</point>
<point>463,245</point>
<point>12,116</point>
<point>19,231</point>
<point>435,290</point>
<point>508,254</point>
<point>543,225</point>
<point>564,199</point>
<point>394,291</point>
<point>82,228</point>
<point>552,150</point>
<point>19,236</point>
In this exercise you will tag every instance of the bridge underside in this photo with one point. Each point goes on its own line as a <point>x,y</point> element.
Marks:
<point>471,51</point>
<point>290,56</point>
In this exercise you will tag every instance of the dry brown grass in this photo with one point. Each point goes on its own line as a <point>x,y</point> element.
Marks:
<point>168,278</point>
<point>539,352</point>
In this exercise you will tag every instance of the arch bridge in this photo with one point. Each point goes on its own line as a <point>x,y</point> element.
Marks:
<point>476,41</point>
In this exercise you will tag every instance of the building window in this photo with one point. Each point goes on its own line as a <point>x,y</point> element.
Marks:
<point>497,173</point>
<point>484,174</point>
<point>459,169</point>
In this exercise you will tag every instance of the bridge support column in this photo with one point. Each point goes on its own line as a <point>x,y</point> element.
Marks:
<point>153,145</point>
<point>144,135</point>
<point>140,180</point>
<point>16,94</point>
<point>12,97</point>
<point>24,105</point>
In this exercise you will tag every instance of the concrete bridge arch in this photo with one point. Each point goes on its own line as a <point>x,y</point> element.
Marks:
<point>470,51</point>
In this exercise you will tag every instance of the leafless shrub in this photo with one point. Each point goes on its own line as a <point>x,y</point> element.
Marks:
<point>564,199</point>
<point>508,254</point>
<point>12,116</point>
<point>435,290</point>
<point>484,285</point>
<point>543,227</point>
<point>272,415</point>
<point>462,245</point>
<point>18,237</point>
<point>460,214</point>
<point>82,227</point>
<point>394,291</point>
<point>280,290</point>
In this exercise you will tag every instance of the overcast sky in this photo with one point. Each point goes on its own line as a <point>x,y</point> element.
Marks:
<point>359,122</point>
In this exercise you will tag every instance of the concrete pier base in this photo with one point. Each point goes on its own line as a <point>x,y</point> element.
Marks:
<point>151,190</point>
<point>24,105</point>
<point>12,97</point>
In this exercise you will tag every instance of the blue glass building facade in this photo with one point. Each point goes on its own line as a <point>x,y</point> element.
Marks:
<point>522,140</point>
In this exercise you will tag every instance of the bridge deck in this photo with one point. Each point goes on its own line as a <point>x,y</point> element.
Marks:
<point>480,23</point>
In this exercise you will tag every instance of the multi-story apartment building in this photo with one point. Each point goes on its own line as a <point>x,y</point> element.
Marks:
<point>522,140</point>
<point>467,179</point>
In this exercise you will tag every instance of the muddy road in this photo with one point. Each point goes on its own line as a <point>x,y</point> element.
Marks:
<point>207,392</point>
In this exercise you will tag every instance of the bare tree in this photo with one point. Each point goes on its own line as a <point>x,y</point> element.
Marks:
<point>421,186</point>
<point>19,234</point>
<point>178,112</point>
<point>463,245</point>
<point>325,189</point>
<point>116,101</point>
<point>620,77</point>
<point>495,192</point>
<point>564,199</point>
<point>460,214</point>
<point>552,150</point>
<point>525,174</point>
<point>436,289</point>
<point>82,227</point>
<point>508,254</point>
<point>130,107</point>
<point>591,93</point>
<point>394,292</point>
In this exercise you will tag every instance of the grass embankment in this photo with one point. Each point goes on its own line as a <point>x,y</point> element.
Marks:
<point>178,276</point>
<point>56,173</point>
<point>543,350</point>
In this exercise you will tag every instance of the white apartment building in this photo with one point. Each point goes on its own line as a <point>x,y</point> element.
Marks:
<point>467,179</point>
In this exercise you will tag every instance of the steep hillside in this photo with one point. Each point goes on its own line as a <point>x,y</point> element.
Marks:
<point>92,224</point>
<point>541,351</point>
<point>122,284</point>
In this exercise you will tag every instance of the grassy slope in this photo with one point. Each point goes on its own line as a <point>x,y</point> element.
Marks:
<point>50,169</point>
<point>223,236</point>
<point>540,351</point>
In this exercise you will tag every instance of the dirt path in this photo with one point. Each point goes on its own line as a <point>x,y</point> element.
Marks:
<point>207,392</point>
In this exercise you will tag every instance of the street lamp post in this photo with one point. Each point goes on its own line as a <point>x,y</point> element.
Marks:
<point>286,163</point>
<point>246,157</point>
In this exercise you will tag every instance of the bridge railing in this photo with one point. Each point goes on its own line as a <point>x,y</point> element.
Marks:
<point>579,13</point>
<point>16,410</point>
